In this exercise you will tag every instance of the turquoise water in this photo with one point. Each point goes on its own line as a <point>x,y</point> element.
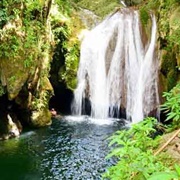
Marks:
<point>71,148</point>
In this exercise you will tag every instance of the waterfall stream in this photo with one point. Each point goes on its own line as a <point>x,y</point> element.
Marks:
<point>118,69</point>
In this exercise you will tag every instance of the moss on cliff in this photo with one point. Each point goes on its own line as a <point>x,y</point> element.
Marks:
<point>168,20</point>
<point>169,69</point>
<point>26,46</point>
<point>169,39</point>
<point>25,54</point>
<point>67,53</point>
<point>99,7</point>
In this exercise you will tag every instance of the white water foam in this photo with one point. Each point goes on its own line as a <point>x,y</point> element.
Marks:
<point>89,120</point>
<point>116,70</point>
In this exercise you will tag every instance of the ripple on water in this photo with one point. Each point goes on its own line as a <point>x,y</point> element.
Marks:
<point>72,148</point>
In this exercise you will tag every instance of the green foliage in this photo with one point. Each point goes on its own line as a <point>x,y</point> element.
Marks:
<point>169,69</point>
<point>144,16</point>
<point>153,4</point>
<point>41,100</point>
<point>172,105</point>
<point>99,7</point>
<point>174,38</point>
<point>134,151</point>
<point>10,44</point>
<point>64,6</point>
<point>163,175</point>
<point>146,8</point>
<point>23,37</point>
<point>168,21</point>
<point>172,78</point>
<point>2,90</point>
<point>168,64</point>
<point>21,40</point>
<point>71,66</point>
<point>166,175</point>
<point>66,32</point>
<point>25,43</point>
<point>3,17</point>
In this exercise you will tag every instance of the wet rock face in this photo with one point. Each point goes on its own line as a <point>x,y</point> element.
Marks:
<point>132,2</point>
<point>24,72</point>
<point>41,118</point>
<point>11,126</point>
<point>13,130</point>
<point>169,54</point>
<point>118,68</point>
<point>88,18</point>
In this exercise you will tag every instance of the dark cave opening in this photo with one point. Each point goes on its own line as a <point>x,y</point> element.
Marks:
<point>62,98</point>
<point>61,101</point>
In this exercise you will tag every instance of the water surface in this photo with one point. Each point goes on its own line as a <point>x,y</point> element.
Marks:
<point>71,148</point>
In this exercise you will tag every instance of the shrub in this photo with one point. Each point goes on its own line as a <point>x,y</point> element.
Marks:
<point>133,150</point>
<point>172,105</point>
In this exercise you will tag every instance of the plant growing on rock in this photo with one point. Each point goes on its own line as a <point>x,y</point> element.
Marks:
<point>172,105</point>
<point>26,43</point>
<point>66,30</point>
<point>133,151</point>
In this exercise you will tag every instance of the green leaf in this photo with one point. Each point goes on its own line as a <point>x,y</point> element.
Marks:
<point>163,176</point>
<point>171,115</point>
<point>115,152</point>
<point>177,167</point>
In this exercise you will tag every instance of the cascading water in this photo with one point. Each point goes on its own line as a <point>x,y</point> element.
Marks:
<point>117,69</point>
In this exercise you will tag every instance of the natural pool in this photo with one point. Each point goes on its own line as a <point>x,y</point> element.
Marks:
<point>71,148</point>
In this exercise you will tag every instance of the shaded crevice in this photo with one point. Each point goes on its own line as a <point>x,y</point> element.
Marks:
<point>9,110</point>
<point>62,98</point>
<point>61,101</point>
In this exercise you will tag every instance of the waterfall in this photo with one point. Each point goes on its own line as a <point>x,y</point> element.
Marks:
<point>117,69</point>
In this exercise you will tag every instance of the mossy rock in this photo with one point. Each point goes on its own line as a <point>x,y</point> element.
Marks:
<point>174,20</point>
<point>13,76</point>
<point>162,86</point>
<point>99,7</point>
<point>41,118</point>
<point>167,63</point>
<point>172,78</point>
<point>178,59</point>
<point>133,2</point>
<point>169,68</point>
